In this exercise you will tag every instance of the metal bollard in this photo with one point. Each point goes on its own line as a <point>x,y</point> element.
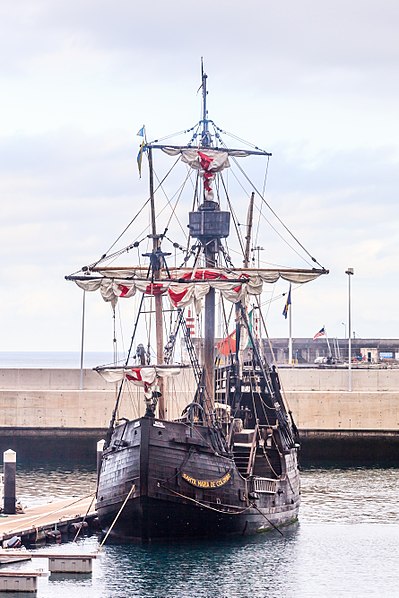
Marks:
<point>9,468</point>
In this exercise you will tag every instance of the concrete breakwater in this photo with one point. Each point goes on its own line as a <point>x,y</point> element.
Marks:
<point>357,427</point>
<point>57,403</point>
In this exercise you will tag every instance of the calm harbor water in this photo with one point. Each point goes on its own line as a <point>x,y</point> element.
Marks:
<point>346,544</point>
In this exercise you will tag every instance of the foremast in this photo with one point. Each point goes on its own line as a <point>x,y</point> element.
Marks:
<point>157,258</point>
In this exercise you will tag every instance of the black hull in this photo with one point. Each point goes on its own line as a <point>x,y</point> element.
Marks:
<point>148,519</point>
<point>164,480</point>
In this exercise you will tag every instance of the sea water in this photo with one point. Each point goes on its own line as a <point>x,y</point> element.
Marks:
<point>345,544</point>
<point>53,359</point>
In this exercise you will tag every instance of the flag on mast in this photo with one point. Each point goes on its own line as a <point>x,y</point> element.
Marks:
<point>322,332</point>
<point>140,156</point>
<point>227,345</point>
<point>287,304</point>
<point>142,149</point>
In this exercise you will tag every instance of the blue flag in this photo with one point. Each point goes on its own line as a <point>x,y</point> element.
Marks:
<point>287,304</point>
<point>141,133</point>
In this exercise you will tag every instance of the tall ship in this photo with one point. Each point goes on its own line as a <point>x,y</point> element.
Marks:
<point>201,442</point>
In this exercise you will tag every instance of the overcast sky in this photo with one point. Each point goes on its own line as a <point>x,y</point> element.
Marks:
<point>316,83</point>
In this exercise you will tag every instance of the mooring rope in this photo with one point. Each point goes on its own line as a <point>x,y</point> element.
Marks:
<point>117,517</point>
<point>84,519</point>
<point>268,520</point>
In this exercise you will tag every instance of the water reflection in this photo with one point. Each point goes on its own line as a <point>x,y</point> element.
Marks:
<point>47,483</point>
<point>346,544</point>
<point>244,567</point>
<point>350,495</point>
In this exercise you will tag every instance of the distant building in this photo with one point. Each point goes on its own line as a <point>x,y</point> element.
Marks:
<point>306,350</point>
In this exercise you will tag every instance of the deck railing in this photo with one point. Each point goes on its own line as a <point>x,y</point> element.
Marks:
<point>265,485</point>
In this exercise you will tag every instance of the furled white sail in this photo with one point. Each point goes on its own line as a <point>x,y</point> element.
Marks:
<point>185,287</point>
<point>207,161</point>
<point>139,376</point>
<point>190,155</point>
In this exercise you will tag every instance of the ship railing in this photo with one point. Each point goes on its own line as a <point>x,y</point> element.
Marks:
<point>265,485</point>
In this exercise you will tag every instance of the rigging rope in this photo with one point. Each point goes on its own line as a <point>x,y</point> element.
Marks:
<point>275,214</point>
<point>206,506</point>
<point>268,520</point>
<point>105,255</point>
<point>233,215</point>
<point>173,208</point>
<point>261,205</point>
<point>233,136</point>
<point>84,519</point>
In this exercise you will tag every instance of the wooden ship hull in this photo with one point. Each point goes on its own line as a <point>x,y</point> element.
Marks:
<point>162,479</point>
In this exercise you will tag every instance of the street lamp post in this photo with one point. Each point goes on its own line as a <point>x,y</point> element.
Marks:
<point>350,273</point>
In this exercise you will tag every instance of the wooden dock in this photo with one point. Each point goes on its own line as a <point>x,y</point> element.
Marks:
<point>34,522</point>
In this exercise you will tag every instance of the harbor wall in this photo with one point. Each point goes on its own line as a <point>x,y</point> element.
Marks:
<point>49,404</point>
<point>318,398</point>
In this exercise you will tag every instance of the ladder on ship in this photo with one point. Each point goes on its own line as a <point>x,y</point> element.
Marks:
<point>180,321</point>
<point>241,455</point>
<point>253,457</point>
<point>197,369</point>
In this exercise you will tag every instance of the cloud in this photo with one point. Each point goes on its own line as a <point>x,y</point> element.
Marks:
<point>315,83</point>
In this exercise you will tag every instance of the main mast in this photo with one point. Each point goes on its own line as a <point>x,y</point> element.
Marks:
<point>209,225</point>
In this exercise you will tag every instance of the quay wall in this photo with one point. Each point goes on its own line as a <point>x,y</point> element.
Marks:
<point>318,398</point>
<point>46,409</point>
<point>45,415</point>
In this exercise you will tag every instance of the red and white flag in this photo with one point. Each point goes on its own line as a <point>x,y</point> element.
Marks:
<point>322,332</point>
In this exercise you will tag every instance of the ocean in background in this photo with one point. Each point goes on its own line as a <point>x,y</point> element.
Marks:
<point>53,359</point>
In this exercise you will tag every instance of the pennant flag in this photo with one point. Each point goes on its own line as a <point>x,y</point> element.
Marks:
<point>287,304</point>
<point>321,332</point>
<point>227,345</point>
<point>140,156</point>
<point>141,132</point>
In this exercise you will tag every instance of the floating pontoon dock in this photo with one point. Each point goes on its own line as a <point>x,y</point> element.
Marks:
<point>36,522</point>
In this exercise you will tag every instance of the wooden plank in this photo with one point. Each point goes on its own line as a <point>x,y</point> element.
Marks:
<point>48,516</point>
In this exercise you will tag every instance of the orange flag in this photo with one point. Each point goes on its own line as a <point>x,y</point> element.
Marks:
<point>227,345</point>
